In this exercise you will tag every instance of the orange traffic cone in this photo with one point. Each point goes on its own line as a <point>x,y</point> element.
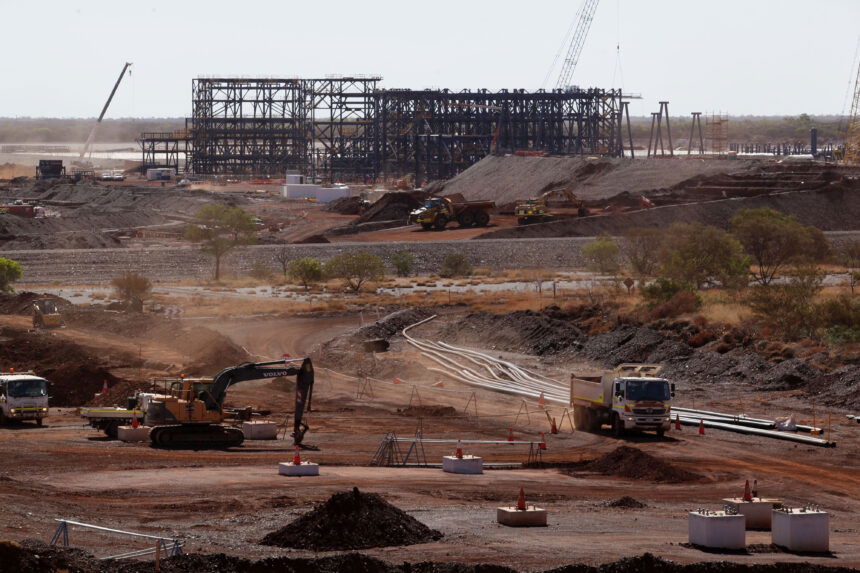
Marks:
<point>510,434</point>
<point>104,387</point>
<point>747,494</point>
<point>297,458</point>
<point>677,422</point>
<point>459,452</point>
<point>541,401</point>
<point>701,427</point>
<point>542,443</point>
<point>521,501</point>
<point>553,429</point>
<point>134,422</point>
<point>397,380</point>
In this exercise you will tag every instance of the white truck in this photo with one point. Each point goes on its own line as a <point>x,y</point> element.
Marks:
<point>23,396</point>
<point>630,397</point>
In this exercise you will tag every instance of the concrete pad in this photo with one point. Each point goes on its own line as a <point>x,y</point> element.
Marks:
<point>129,434</point>
<point>464,465</point>
<point>260,430</point>
<point>513,517</point>
<point>303,469</point>
<point>717,530</point>
<point>799,530</point>
<point>758,511</point>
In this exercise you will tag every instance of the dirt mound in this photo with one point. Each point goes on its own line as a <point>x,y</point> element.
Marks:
<point>36,557</point>
<point>392,324</point>
<point>119,392</point>
<point>521,331</point>
<point>22,302</point>
<point>633,463</point>
<point>71,240</point>
<point>345,206</point>
<point>428,411</point>
<point>311,239</point>
<point>332,525</point>
<point>624,502</point>
<point>390,207</point>
<point>75,373</point>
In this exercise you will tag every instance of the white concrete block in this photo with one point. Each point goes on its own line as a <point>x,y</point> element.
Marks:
<point>758,511</point>
<point>260,430</point>
<point>513,517</point>
<point>129,434</point>
<point>303,469</point>
<point>717,530</point>
<point>799,530</point>
<point>464,465</point>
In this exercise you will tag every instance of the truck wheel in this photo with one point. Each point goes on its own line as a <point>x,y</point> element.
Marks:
<point>426,226</point>
<point>660,432</point>
<point>39,422</point>
<point>111,429</point>
<point>466,219</point>
<point>579,414</point>
<point>440,222</point>
<point>617,426</point>
<point>482,218</point>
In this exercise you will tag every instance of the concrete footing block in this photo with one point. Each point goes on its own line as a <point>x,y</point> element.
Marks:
<point>717,530</point>
<point>758,511</point>
<point>129,434</point>
<point>513,517</point>
<point>260,430</point>
<point>801,530</point>
<point>464,465</point>
<point>303,469</point>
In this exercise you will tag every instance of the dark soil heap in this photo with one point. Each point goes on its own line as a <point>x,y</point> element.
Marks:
<point>623,502</point>
<point>352,520</point>
<point>628,462</point>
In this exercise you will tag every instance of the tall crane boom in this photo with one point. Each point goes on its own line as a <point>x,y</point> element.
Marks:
<point>577,41</point>
<point>852,133</point>
<point>95,128</point>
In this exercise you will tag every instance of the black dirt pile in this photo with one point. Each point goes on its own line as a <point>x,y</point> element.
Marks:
<point>391,325</point>
<point>345,206</point>
<point>521,331</point>
<point>352,520</point>
<point>625,502</point>
<point>35,557</point>
<point>428,411</point>
<point>390,207</point>
<point>633,463</point>
<point>75,373</point>
<point>22,302</point>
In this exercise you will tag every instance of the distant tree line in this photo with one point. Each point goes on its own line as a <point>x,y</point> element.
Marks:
<point>55,130</point>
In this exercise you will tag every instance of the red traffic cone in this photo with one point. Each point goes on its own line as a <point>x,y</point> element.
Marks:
<point>134,422</point>
<point>677,422</point>
<point>541,401</point>
<point>701,427</point>
<point>521,501</point>
<point>553,429</point>
<point>104,387</point>
<point>297,458</point>
<point>510,434</point>
<point>542,442</point>
<point>397,380</point>
<point>747,494</point>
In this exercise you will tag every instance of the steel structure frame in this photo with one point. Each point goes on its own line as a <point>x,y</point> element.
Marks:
<point>165,149</point>
<point>345,128</point>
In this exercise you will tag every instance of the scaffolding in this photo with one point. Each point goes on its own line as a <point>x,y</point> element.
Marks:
<point>345,128</point>
<point>717,133</point>
<point>165,149</point>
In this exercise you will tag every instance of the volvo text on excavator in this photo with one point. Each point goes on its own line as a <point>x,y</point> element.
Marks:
<point>190,415</point>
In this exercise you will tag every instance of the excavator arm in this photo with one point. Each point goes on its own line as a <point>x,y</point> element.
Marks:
<point>304,374</point>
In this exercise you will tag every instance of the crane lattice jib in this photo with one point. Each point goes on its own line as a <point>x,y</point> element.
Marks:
<point>852,134</point>
<point>577,41</point>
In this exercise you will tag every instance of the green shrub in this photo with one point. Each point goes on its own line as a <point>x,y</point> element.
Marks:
<point>10,271</point>
<point>403,263</point>
<point>455,265</point>
<point>602,254</point>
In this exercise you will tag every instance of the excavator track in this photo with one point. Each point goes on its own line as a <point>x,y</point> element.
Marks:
<point>196,436</point>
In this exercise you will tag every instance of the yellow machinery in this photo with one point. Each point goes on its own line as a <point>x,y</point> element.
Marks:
<point>46,314</point>
<point>531,211</point>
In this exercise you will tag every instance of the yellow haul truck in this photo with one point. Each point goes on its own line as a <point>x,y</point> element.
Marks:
<point>437,212</point>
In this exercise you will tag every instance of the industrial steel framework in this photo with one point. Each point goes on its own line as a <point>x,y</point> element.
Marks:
<point>165,149</point>
<point>347,129</point>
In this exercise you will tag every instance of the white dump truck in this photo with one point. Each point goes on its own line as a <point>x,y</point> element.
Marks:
<point>23,396</point>
<point>630,397</point>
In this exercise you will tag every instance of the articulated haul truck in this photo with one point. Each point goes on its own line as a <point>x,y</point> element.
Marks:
<point>630,397</point>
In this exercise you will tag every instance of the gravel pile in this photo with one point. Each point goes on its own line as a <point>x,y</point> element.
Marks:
<point>522,331</point>
<point>352,520</point>
<point>625,502</point>
<point>633,463</point>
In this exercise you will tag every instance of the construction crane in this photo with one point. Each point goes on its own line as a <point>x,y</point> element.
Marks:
<point>852,132</point>
<point>95,128</point>
<point>577,40</point>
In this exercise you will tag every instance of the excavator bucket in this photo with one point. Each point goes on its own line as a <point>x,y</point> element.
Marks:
<point>304,394</point>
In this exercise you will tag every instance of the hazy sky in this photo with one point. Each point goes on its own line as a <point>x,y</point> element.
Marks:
<point>59,58</point>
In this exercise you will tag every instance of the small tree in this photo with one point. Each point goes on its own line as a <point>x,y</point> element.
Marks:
<point>790,308</point>
<point>602,254</point>
<point>306,271</point>
<point>849,253</point>
<point>10,271</point>
<point>403,263</point>
<point>640,247</point>
<point>702,255</point>
<point>131,287</point>
<point>774,240</point>
<point>220,229</point>
<point>455,265</point>
<point>355,269</point>
<point>282,256</point>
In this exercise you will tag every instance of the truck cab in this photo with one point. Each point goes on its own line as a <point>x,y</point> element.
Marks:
<point>23,396</point>
<point>641,403</point>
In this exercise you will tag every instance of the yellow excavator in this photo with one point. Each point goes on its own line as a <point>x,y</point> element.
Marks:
<point>46,314</point>
<point>189,413</point>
